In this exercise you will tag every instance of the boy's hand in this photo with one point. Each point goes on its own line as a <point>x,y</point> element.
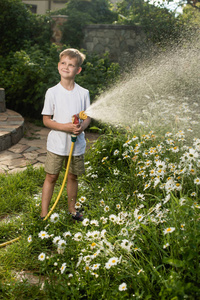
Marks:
<point>67,127</point>
<point>71,128</point>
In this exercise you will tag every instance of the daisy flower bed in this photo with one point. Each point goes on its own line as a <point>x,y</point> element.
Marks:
<point>141,232</point>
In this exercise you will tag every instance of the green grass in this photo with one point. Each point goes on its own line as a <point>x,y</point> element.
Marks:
<point>141,234</point>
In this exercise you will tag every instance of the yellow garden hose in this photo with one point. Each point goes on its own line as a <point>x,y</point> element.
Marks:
<point>64,180</point>
<point>9,242</point>
<point>81,116</point>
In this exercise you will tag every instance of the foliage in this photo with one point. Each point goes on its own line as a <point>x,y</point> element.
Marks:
<point>27,74</point>
<point>18,25</point>
<point>191,16</point>
<point>141,232</point>
<point>82,12</point>
<point>158,22</point>
<point>98,73</point>
<point>190,3</point>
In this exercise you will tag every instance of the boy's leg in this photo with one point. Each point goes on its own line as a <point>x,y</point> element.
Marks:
<point>47,192</point>
<point>72,189</point>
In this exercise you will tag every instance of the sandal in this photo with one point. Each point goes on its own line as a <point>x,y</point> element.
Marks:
<point>77,216</point>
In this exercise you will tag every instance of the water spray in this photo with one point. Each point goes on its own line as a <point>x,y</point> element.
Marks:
<point>75,120</point>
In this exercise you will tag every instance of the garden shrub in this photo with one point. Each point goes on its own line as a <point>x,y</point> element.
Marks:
<point>27,74</point>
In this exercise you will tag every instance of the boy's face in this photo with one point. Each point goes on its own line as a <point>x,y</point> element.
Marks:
<point>68,68</point>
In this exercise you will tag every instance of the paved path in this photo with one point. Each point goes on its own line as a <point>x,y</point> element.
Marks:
<point>31,149</point>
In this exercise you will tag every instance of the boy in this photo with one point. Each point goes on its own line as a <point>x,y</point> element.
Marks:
<point>62,101</point>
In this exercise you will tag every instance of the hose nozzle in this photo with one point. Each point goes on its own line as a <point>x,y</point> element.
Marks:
<point>75,120</point>
<point>82,115</point>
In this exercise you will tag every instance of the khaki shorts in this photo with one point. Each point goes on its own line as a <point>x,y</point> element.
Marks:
<point>54,163</point>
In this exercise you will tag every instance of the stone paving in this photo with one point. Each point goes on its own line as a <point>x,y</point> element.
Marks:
<point>31,149</point>
<point>11,128</point>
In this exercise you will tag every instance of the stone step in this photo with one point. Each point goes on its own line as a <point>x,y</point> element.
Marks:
<point>11,128</point>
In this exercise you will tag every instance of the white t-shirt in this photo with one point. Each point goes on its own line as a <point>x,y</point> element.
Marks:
<point>62,105</point>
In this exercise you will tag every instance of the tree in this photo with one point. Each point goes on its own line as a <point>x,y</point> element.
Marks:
<point>18,25</point>
<point>192,3</point>
<point>158,22</point>
<point>81,13</point>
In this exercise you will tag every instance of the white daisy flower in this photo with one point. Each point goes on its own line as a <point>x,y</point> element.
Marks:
<point>95,267</point>
<point>62,244</point>
<point>86,222</point>
<point>94,222</point>
<point>134,138</point>
<point>66,234</point>
<point>42,256</point>
<point>192,155</point>
<point>182,226</point>
<point>82,199</point>
<point>29,238</point>
<point>124,232</point>
<point>104,220</point>
<point>123,287</point>
<point>193,194</point>
<point>78,236</point>
<point>103,233</point>
<point>182,201</point>
<point>63,267</point>
<point>54,218</point>
<point>127,245</point>
<point>113,218</point>
<point>56,239</point>
<point>116,172</point>
<point>93,245</point>
<point>197,181</point>
<point>107,265</point>
<point>113,261</point>
<point>95,234</point>
<point>140,196</point>
<point>87,259</point>
<point>89,235</point>
<point>136,249</point>
<point>116,152</point>
<point>43,235</point>
<point>166,245</point>
<point>94,255</point>
<point>102,203</point>
<point>106,208</point>
<point>78,205</point>
<point>140,271</point>
<point>104,159</point>
<point>169,230</point>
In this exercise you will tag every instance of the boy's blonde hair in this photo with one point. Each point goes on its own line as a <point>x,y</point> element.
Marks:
<point>73,53</point>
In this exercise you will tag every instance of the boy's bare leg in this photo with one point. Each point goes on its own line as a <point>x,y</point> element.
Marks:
<point>72,189</point>
<point>47,192</point>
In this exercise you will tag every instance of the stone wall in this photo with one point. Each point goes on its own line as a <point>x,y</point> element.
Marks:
<point>119,40</point>
<point>123,42</point>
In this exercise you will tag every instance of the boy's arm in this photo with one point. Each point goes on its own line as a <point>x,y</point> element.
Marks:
<point>85,124</point>
<point>67,127</point>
